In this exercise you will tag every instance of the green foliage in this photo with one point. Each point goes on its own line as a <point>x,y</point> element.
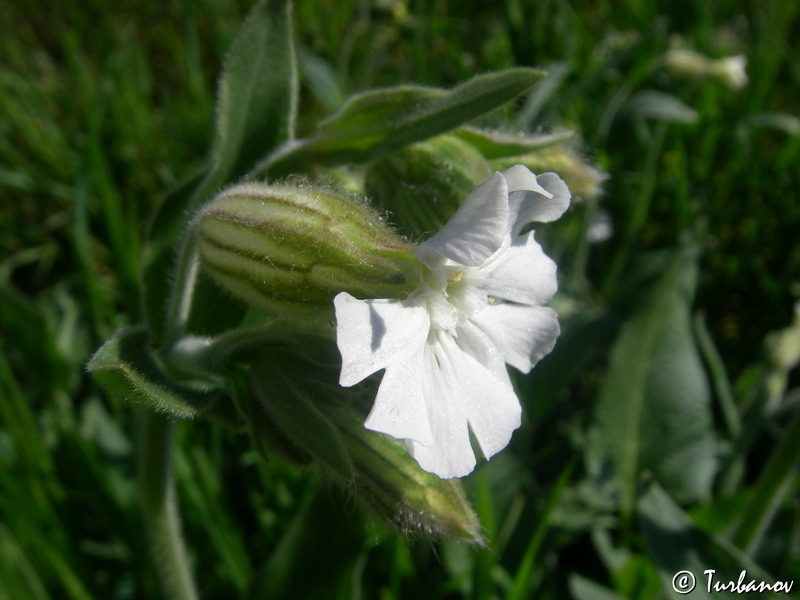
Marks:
<point>676,544</point>
<point>298,419</point>
<point>257,96</point>
<point>653,412</point>
<point>256,105</point>
<point>126,367</point>
<point>377,122</point>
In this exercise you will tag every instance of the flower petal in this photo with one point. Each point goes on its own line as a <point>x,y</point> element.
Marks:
<point>492,407</point>
<point>542,198</point>
<point>522,334</point>
<point>475,231</point>
<point>400,408</point>
<point>522,179</point>
<point>521,273</point>
<point>473,340</point>
<point>450,454</point>
<point>373,334</point>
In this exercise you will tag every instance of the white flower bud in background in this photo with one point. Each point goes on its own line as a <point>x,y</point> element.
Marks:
<point>730,71</point>
<point>601,228</point>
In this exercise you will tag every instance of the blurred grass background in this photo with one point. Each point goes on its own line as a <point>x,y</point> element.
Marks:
<point>104,106</point>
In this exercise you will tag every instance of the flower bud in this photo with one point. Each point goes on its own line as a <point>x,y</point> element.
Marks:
<point>277,246</point>
<point>783,346</point>
<point>731,71</point>
<point>423,185</point>
<point>686,63</point>
<point>581,178</point>
<point>393,484</point>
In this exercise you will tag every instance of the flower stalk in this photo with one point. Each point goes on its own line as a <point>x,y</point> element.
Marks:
<point>160,507</point>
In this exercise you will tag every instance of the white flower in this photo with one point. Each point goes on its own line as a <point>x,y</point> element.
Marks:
<point>445,347</point>
<point>731,71</point>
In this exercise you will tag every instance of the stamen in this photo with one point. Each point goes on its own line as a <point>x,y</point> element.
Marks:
<point>456,277</point>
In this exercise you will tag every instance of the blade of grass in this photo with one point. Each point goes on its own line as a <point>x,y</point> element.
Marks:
<point>524,574</point>
<point>770,490</point>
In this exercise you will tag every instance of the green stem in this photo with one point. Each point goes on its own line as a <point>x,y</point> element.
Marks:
<point>160,508</point>
<point>771,489</point>
<point>182,297</point>
<point>719,377</point>
<point>525,571</point>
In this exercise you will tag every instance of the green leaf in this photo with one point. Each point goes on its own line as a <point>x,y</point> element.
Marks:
<point>546,100</point>
<point>775,483</point>
<point>257,96</point>
<point>676,544</point>
<point>653,414</point>
<point>495,144</point>
<point>256,104</point>
<point>380,121</point>
<point>323,81</point>
<point>126,367</point>
<point>33,325</point>
<point>523,576</point>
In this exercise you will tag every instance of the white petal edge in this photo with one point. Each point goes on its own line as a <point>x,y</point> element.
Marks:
<point>522,179</point>
<point>543,198</point>
<point>476,230</point>
<point>522,334</point>
<point>372,334</point>
<point>492,408</point>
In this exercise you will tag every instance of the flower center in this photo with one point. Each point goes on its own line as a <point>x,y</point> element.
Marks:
<point>456,277</point>
<point>448,296</point>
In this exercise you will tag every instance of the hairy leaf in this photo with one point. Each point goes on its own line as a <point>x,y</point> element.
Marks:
<point>126,367</point>
<point>256,105</point>
<point>494,144</point>
<point>376,122</point>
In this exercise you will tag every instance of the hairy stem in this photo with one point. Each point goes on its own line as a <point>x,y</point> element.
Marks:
<point>160,508</point>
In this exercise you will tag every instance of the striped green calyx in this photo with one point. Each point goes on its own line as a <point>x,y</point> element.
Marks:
<point>280,245</point>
